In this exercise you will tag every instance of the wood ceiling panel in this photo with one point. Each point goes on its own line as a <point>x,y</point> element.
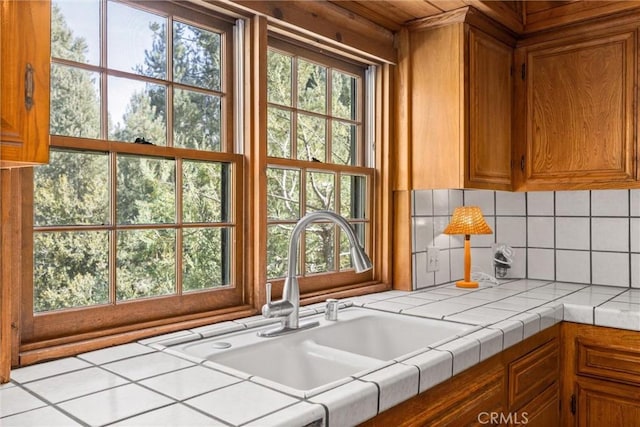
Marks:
<point>521,17</point>
<point>540,5</point>
<point>567,12</point>
<point>391,14</point>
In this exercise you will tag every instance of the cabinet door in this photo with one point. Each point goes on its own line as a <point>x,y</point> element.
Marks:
<point>24,79</point>
<point>542,411</point>
<point>602,403</point>
<point>580,113</point>
<point>490,89</point>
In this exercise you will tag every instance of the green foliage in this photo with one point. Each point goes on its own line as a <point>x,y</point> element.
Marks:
<point>71,268</point>
<point>284,188</point>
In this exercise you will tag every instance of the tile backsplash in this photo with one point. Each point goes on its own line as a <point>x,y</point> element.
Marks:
<point>571,236</point>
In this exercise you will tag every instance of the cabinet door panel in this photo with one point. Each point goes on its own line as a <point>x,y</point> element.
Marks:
<point>601,403</point>
<point>24,78</point>
<point>490,89</point>
<point>533,373</point>
<point>542,411</point>
<point>580,120</point>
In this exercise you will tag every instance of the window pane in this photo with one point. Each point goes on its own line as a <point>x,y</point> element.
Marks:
<point>197,57</point>
<point>137,110</point>
<point>278,133</point>
<point>145,190</point>
<point>75,102</point>
<point>277,249</point>
<point>279,78</point>
<point>343,96</point>
<point>136,41</point>
<point>75,30</point>
<point>73,189</point>
<point>320,240</point>
<point>353,196</point>
<point>320,191</point>
<point>343,143</point>
<point>312,87</point>
<point>345,248</point>
<point>311,138</point>
<point>146,263</point>
<point>70,269</point>
<point>197,119</point>
<point>206,258</point>
<point>283,193</point>
<point>205,187</point>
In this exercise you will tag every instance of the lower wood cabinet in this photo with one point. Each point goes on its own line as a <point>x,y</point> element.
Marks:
<point>601,376</point>
<point>542,411</point>
<point>604,403</point>
<point>519,386</point>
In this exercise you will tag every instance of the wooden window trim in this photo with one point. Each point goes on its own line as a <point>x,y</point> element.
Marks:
<point>55,327</point>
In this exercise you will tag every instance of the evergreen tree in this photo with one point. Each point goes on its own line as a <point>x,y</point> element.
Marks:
<point>71,268</point>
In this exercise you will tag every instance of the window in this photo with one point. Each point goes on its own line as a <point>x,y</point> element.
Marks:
<point>142,195</point>
<point>139,219</point>
<point>316,158</point>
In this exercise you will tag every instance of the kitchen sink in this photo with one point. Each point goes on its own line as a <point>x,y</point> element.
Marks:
<point>308,361</point>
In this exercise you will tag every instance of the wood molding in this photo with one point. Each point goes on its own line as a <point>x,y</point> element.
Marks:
<point>331,23</point>
<point>6,264</point>
<point>402,258</point>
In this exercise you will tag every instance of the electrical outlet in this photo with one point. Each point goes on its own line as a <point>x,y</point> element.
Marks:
<point>433,259</point>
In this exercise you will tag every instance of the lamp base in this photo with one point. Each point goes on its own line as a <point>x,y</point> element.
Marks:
<point>465,284</point>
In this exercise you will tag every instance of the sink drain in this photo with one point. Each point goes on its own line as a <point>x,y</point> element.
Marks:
<point>219,345</point>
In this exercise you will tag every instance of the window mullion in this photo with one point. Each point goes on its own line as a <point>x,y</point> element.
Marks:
<point>113,232</point>
<point>170,87</point>
<point>179,229</point>
<point>104,116</point>
<point>294,105</point>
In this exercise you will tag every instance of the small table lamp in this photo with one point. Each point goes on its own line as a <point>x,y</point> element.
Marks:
<point>467,220</point>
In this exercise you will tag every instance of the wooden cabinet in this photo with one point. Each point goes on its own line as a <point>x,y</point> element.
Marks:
<point>533,373</point>
<point>601,376</point>
<point>541,411</point>
<point>577,122</point>
<point>516,387</point>
<point>24,82</point>
<point>459,95</point>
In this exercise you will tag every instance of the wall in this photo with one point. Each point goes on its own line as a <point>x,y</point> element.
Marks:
<point>573,236</point>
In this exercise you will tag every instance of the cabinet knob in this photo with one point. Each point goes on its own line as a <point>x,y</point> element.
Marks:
<point>28,86</point>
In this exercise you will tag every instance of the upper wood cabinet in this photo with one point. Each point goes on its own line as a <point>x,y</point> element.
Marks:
<point>460,102</point>
<point>577,121</point>
<point>24,82</point>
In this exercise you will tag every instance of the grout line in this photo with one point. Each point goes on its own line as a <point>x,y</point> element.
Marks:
<point>50,404</point>
<point>590,240</point>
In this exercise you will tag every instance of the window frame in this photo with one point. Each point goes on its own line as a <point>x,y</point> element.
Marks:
<point>126,315</point>
<point>324,283</point>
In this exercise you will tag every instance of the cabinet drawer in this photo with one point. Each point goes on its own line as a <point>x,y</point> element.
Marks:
<point>532,373</point>
<point>608,362</point>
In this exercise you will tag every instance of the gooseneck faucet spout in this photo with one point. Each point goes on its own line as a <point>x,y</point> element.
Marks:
<point>288,307</point>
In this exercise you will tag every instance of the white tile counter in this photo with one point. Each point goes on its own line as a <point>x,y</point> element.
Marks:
<point>146,384</point>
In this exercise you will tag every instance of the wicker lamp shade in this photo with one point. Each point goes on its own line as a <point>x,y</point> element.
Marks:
<point>468,220</point>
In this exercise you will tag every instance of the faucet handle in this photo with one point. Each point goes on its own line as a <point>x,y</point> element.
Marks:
<point>268,286</point>
<point>331,310</point>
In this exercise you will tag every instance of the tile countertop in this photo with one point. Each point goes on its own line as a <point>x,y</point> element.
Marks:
<point>145,384</point>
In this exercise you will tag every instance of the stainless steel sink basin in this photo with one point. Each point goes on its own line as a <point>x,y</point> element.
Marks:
<point>308,361</point>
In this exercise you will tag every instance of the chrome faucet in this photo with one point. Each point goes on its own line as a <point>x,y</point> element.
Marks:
<point>288,307</point>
